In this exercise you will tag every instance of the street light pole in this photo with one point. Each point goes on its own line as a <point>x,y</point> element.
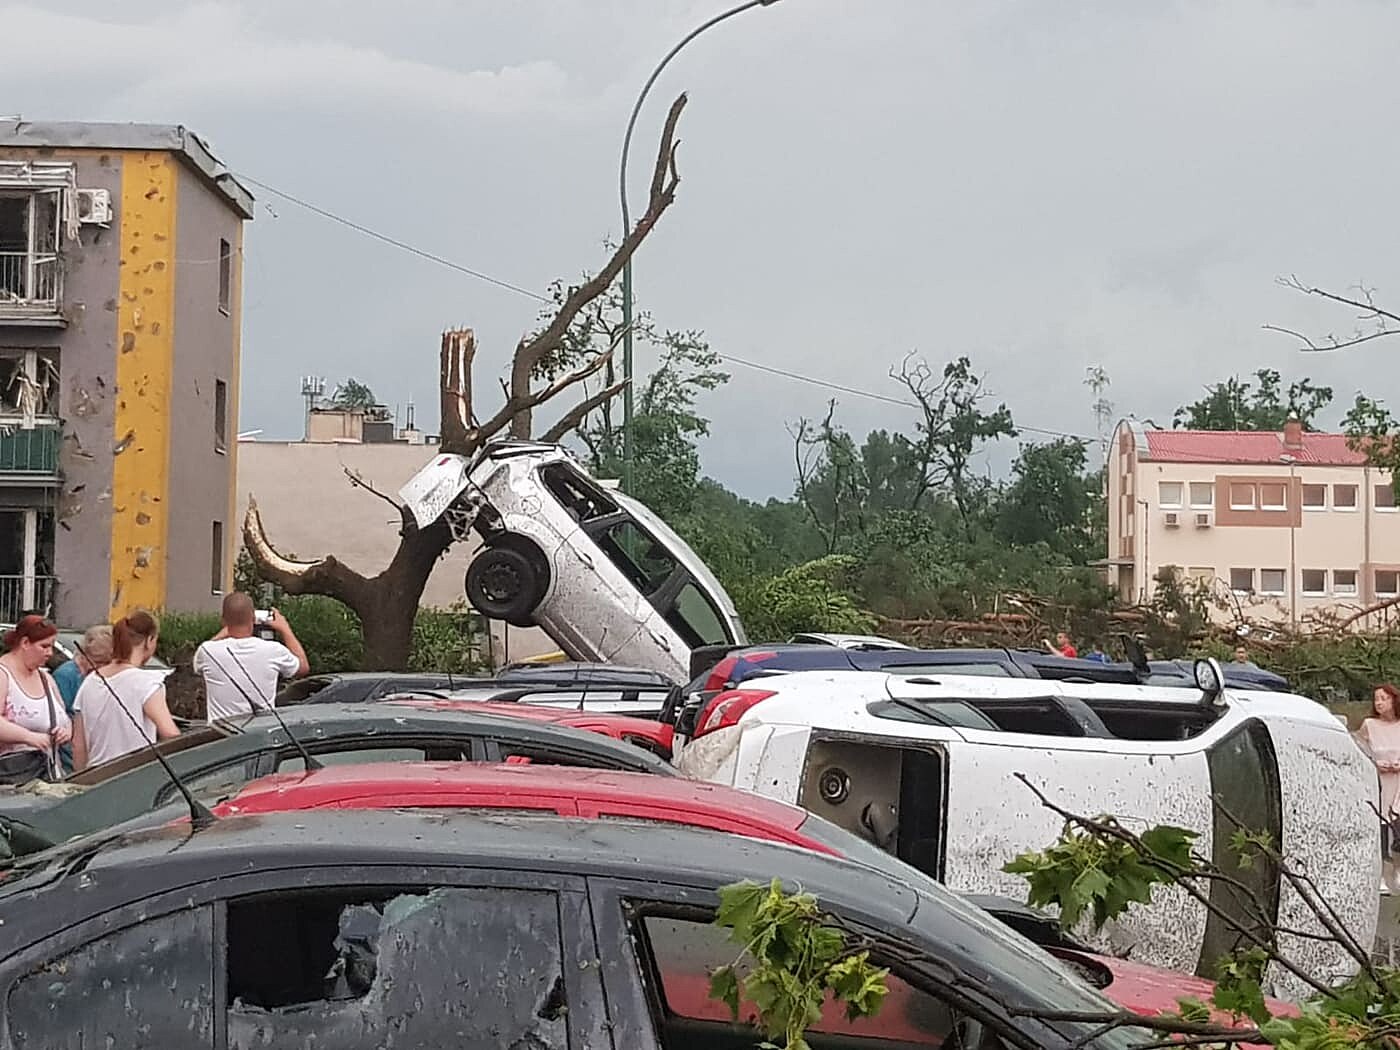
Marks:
<point>627,447</point>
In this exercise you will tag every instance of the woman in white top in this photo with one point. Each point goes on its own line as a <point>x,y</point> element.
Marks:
<point>121,708</point>
<point>1379,737</point>
<point>33,721</point>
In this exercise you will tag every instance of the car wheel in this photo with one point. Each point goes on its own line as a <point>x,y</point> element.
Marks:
<point>504,583</point>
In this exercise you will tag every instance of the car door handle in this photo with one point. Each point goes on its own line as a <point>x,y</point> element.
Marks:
<point>587,561</point>
<point>660,639</point>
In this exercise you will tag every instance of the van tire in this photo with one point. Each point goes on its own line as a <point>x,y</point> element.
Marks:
<point>505,582</point>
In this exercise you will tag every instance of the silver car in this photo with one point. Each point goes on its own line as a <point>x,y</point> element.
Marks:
<point>599,572</point>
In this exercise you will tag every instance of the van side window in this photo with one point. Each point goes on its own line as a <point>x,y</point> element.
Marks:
<point>695,618</point>
<point>578,495</point>
<point>642,559</point>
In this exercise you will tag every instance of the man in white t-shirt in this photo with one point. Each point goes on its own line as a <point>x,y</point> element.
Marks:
<point>242,671</point>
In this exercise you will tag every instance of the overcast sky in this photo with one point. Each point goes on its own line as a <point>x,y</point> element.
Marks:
<point>1040,186</point>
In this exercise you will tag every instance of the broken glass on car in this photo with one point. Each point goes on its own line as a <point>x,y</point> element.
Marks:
<point>472,968</point>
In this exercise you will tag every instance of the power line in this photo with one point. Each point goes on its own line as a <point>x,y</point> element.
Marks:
<point>825,384</point>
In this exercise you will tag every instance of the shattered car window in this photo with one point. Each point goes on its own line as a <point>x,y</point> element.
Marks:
<point>149,986</point>
<point>474,969</point>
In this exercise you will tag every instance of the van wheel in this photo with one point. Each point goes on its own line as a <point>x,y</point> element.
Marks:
<point>505,583</point>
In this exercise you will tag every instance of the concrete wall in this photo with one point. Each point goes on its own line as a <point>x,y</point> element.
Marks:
<point>88,388</point>
<point>201,476</point>
<point>309,509</point>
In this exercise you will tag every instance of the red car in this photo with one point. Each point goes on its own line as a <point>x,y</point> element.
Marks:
<point>598,794</point>
<point>644,733</point>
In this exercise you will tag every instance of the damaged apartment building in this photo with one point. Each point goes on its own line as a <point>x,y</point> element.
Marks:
<point>120,279</point>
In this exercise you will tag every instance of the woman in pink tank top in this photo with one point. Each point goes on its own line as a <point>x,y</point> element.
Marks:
<point>32,716</point>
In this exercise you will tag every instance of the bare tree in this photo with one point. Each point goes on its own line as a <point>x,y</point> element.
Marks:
<point>387,602</point>
<point>1371,321</point>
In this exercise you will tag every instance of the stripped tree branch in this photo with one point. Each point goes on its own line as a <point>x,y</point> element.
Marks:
<point>358,481</point>
<point>571,420</point>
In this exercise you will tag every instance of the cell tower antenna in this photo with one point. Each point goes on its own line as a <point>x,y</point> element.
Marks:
<point>312,389</point>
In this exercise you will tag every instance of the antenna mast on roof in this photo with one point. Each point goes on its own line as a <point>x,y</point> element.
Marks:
<point>312,387</point>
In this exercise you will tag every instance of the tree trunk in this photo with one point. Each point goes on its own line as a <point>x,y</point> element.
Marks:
<point>387,603</point>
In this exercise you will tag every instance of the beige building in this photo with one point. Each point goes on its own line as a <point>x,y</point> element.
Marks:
<point>309,508</point>
<point>1284,525</point>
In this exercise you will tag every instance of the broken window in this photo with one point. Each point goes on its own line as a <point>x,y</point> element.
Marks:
<point>151,984</point>
<point>468,968</point>
<point>29,384</point>
<point>578,494</point>
<point>29,235</point>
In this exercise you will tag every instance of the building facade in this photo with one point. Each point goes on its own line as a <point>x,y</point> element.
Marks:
<point>121,250</point>
<point>1283,526</point>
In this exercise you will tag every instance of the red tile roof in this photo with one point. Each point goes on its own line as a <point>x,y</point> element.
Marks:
<point>1248,446</point>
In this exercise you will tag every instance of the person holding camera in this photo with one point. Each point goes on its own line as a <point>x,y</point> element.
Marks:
<point>242,671</point>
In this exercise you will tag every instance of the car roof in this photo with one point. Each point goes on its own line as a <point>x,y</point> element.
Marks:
<point>566,716</point>
<point>675,799</point>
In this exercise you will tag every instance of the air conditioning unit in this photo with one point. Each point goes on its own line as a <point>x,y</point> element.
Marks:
<point>95,207</point>
<point>1203,520</point>
<point>1172,519</point>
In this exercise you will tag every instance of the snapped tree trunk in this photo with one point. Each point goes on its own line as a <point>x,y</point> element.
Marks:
<point>388,602</point>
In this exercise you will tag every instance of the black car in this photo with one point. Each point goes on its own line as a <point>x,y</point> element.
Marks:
<point>359,930</point>
<point>214,761</point>
<point>358,687</point>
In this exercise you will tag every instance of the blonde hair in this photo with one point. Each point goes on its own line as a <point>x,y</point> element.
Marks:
<point>97,645</point>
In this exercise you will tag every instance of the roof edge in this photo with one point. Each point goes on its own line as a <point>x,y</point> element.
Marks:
<point>168,138</point>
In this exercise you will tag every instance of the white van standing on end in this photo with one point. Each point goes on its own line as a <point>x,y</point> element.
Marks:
<point>927,768</point>
<point>597,571</point>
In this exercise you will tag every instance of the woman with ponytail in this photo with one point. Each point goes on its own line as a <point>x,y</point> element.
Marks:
<point>121,708</point>
<point>33,722</point>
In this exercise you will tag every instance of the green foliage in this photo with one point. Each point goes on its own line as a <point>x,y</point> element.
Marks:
<point>794,958</point>
<point>815,596</point>
<point>1099,873</point>
<point>1237,404</point>
<point>447,641</point>
<point>1371,429</point>
<point>352,394</point>
<point>181,634</point>
<point>1051,501</point>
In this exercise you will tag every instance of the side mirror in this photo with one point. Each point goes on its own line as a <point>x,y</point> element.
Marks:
<point>1210,679</point>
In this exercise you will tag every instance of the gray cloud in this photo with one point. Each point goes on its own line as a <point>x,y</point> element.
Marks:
<point>1040,186</point>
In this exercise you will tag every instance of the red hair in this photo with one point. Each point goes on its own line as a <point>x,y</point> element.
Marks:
<point>131,631</point>
<point>29,629</point>
<point>1390,691</point>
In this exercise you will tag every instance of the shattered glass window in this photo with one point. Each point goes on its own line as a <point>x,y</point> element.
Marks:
<point>146,986</point>
<point>474,969</point>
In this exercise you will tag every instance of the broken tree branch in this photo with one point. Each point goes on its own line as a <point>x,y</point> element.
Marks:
<point>1364,301</point>
<point>455,389</point>
<point>324,576</point>
<point>572,419</point>
<point>358,481</point>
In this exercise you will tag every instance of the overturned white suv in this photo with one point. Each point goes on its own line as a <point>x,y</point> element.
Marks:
<point>600,573</point>
<point>931,769</point>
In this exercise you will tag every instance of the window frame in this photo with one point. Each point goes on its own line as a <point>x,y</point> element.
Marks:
<point>1282,487</point>
<point>220,416</point>
<point>1303,588</point>
<point>1236,589</point>
<point>218,543</point>
<point>1253,503</point>
<point>1355,583</point>
<point>635,993</point>
<point>1207,504</point>
<point>1181,494</point>
<point>225,293</point>
<point>1270,591</point>
<point>1303,496</point>
<point>587,1018</point>
<point>1346,508</point>
<point>1380,507</point>
<point>1376,583</point>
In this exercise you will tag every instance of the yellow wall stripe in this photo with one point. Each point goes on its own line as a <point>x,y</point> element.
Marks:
<point>145,357</point>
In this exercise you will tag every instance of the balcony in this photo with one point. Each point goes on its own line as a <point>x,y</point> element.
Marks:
<point>20,594</point>
<point>31,288</point>
<point>28,456</point>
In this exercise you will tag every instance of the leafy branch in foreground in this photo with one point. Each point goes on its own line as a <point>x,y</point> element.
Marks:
<point>791,957</point>
<point>1100,867</point>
